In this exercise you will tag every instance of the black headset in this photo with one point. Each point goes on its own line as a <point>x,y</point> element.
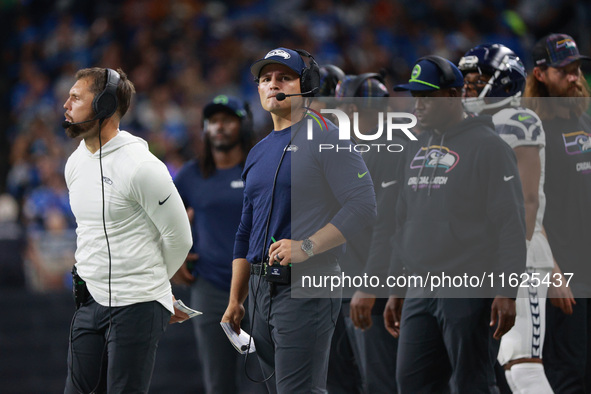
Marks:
<point>105,103</point>
<point>355,84</point>
<point>310,77</point>
<point>246,122</point>
<point>448,76</point>
<point>330,76</point>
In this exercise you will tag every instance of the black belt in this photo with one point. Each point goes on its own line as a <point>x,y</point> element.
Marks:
<point>255,269</point>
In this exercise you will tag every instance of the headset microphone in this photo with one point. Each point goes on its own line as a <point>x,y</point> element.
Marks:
<point>283,96</point>
<point>66,124</point>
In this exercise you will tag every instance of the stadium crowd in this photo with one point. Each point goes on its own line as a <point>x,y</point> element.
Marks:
<point>181,53</point>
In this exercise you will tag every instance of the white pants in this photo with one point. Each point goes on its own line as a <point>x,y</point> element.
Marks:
<point>526,338</point>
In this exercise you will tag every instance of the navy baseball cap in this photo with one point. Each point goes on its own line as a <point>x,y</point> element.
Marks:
<point>556,50</point>
<point>287,57</point>
<point>428,76</point>
<point>229,104</point>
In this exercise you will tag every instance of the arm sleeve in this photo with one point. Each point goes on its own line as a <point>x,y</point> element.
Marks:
<point>351,184</point>
<point>505,209</point>
<point>386,170</point>
<point>154,190</point>
<point>241,242</point>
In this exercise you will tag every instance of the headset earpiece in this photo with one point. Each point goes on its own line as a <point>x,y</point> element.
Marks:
<point>105,103</point>
<point>310,78</point>
<point>443,65</point>
<point>246,123</point>
<point>358,81</point>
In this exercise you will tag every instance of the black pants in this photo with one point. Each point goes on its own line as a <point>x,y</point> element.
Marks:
<point>567,348</point>
<point>130,352</point>
<point>444,346</point>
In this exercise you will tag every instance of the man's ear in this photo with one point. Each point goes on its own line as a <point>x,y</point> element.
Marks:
<point>454,92</point>
<point>539,74</point>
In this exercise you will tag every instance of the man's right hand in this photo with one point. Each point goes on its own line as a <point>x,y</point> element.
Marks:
<point>392,315</point>
<point>183,276</point>
<point>234,315</point>
<point>561,297</point>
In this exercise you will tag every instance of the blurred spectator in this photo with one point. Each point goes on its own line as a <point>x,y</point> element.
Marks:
<point>50,253</point>
<point>12,244</point>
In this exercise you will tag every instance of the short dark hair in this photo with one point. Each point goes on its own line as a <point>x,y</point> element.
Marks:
<point>98,75</point>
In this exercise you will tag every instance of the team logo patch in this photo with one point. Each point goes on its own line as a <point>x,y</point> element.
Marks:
<point>221,99</point>
<point>108,181</point>
<point>566,43</point>
<point>278,52</point>
<point>577,142</point>
<point>416,71</point>
<point>237,184</point>
<point>435,156</point>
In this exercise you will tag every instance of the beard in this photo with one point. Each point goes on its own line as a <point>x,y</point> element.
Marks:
<point>76,130</point>
<point>573,90</point>
<point>225,146</point>
<point>575,97</point>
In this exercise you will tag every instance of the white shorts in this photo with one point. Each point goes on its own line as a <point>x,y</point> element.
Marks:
<point>526,338</point>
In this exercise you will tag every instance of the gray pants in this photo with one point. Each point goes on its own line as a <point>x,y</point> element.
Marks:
<point>344,369</point>
<point>444,345</point>
<point>292,337</point>
<point>130,352</point>
<point>377,356</point>
<point>223,366</point>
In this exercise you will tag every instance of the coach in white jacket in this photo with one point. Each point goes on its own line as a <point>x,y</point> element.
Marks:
<point>133,235</point>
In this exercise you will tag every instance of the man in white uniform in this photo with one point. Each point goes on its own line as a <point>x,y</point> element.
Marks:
<point>133,235</point>
<point>494,80</point>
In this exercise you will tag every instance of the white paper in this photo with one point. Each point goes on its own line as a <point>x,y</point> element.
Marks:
<point>239,341</point>
<point>180,305</point>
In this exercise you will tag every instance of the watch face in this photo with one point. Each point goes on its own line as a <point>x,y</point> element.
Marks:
<point>307,247</point>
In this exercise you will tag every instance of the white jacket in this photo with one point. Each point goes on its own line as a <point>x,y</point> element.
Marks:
<point>147,225</point>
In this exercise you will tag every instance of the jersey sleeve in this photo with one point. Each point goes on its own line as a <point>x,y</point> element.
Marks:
<point>351,184</point>
<point>153,188</point>
<point>504,208</point>
<point>519,127</point>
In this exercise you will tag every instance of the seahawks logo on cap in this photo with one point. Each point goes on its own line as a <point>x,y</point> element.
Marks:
<point>221,99</point>
<point>416,71</point>
<point>278,52</point>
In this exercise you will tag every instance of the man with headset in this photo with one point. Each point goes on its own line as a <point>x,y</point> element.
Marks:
<point>227,139</point>
<point>133,235</point>
<point>300,205</point>
<point>459,213</point>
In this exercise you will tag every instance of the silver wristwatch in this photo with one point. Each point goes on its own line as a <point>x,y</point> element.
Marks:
<point>308,247</point>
